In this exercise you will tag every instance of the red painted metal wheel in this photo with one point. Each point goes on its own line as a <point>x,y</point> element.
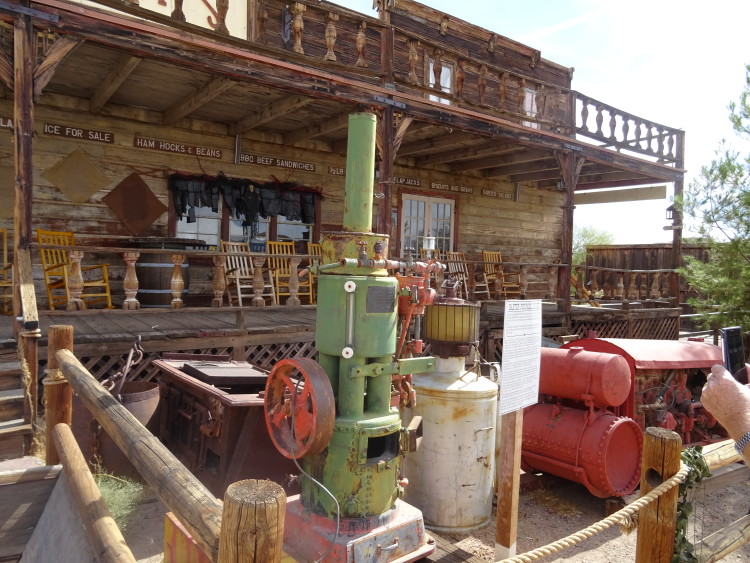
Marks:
<point>300,407</point>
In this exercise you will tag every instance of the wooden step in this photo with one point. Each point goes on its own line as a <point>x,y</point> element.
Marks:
<point>15,438</point>
<point>11,375</point>
<point>11,404</point>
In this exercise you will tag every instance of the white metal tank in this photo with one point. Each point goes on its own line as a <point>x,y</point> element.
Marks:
<point>451,475</point>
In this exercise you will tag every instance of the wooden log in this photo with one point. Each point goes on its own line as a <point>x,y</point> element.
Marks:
<point>179,489</point>
<point>723,542</point>
<point>252,525</point>
<point>720,454</point>
<point>101,530</point>
<point>508,484</point>
<point>58,396</point>
<point>657,520</point>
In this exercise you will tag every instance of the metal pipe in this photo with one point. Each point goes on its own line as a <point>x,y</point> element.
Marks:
<point>360,173</point>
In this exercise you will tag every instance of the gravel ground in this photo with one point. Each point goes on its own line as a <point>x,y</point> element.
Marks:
<point>548,514</point>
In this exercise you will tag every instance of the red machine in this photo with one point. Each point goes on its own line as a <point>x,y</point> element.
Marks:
<point>597,396</point>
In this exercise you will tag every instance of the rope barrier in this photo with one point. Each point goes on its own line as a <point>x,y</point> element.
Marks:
<point>620,516</point>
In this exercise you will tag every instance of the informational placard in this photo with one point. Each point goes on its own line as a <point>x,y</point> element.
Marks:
<point>522,338</point>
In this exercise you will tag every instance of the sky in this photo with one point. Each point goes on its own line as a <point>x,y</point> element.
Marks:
<point>679,63</point>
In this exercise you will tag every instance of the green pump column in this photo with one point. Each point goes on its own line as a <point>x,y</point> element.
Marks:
<point>360,173</point>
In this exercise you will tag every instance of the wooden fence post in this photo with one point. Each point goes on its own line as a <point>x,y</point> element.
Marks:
<point>657,520</point>
<point>508,484</point>
<point>252,523</point>
<point>58,396</point>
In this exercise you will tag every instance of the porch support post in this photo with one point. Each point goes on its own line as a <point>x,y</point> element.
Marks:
<point>677,223</point>
<point>23,129</point>
<point>570,169</point>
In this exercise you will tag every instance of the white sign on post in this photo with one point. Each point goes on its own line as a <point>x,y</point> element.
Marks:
<point>522,343</point>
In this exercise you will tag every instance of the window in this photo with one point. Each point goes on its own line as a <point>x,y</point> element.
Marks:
<point>423,216</point>
<point>529,107</point>
<point>207,227</point>
<point>446,80</point>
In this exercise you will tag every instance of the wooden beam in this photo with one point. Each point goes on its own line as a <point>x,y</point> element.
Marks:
<point>508,484</point>
<point>324,127</point>
<point>720,544</point>
<point>439,142</point>
<point>115,78</point>
<point>56,54</point>
<point>494,162</point>
<point>6,70</point>
<point>488,147</point>
<point>613,196</point>
<point>205,94</point>
<point>23,130</point>
<point>520,168</point>
<point>190,500</point>
<point>271,111</point>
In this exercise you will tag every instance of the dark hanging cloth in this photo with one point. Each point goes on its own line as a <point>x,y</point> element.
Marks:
<point>188,192</point>
<point>271,199</point>
<point>308,206</point>
<point>290,205</point>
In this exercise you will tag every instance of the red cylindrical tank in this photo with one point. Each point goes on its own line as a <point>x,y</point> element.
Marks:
<point>599,450</point>
<point>573,373</point>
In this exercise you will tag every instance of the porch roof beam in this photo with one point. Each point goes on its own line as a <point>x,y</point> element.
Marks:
<point>115,78</point>
<point>202,96</point>
<point>272,110</point>
<point>323,127</point>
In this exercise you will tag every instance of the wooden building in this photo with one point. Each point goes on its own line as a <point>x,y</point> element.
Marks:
<point>128,121</point>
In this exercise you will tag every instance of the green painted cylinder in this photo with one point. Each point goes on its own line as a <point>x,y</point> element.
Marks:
<point>358,313</point>
<point>360,172</point>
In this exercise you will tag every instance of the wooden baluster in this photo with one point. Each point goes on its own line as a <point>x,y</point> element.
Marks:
<point>298,26</point>
<point>332,18</point>
<point>541,102</point>
<point>620,287</point>
<point>130,282</point>
<point>608,285</point>
<point>649,136</point>
<point>666,278</point>
<point>632,287</point>
<point>437,68</point>
<point>625,128</point>
<point>521,94</point>
<point>579,282</point>
<point>655,277</point>
<point>612,125</point>
<point>75,281</point>
<point>502,90</point>
<point>361,42</point>
<point>177,13</point>
<point>660,142</point>
<point>219,283</point>
<point>258,282</point>
<point>524,281</point>
<point>552,283</point>
<point>482,83</point>
<point>643,287</point>
<point>670,146</point>
<point>594,284</point>
<point>177,284</point>
<point>293,299</point>
<point>262,26</point>
<point>413,59</point>
<point>460,77</point>
<point>637,131</point>
<point>599,119</point>
<point>222,7</point>
<point>584,115</point>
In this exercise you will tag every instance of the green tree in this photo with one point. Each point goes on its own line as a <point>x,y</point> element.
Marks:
<point>588,236</point>
<point>718,205</point>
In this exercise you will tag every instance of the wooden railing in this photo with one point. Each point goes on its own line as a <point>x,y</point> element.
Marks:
<point>626,132</point>
<point>620,284</point>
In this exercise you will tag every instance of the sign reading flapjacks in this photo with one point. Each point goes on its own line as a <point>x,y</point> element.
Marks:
<point>175,147</point>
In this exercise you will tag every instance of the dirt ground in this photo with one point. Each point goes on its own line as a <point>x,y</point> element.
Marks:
<point>546,514</point>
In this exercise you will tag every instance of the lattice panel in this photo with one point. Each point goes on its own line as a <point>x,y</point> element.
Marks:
<point>604,329</point>
<point>266,355</point>
<point>656,329</point>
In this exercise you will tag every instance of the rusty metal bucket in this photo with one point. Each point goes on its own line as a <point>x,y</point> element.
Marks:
<point>141,399</point>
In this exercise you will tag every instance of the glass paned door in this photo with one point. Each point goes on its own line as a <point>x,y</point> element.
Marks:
<point>426,217</point>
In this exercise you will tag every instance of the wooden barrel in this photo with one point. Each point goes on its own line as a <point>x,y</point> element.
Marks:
<point>154,273</point>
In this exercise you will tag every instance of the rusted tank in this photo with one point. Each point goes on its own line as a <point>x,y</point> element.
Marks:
<point>571,434</point>
<point>598,395</point>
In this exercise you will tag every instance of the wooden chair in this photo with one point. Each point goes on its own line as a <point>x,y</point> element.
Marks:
<point>510,283</point>
<point>457,268</point>
<point>281,270</point>
<point>6,277</point>
<point>56,268</point>
<point>239,272</point>
<point>316,250</point>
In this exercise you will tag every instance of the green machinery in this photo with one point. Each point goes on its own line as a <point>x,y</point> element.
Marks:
<point>339,416</point>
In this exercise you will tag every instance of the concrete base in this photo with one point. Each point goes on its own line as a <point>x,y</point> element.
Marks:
<point>397,536</point>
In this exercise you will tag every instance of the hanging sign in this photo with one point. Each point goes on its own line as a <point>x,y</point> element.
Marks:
<point>79,133</point>
<point>451,188</point>
<point>499,195</point>
<point>175,147</point>
<point>276,162</point>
